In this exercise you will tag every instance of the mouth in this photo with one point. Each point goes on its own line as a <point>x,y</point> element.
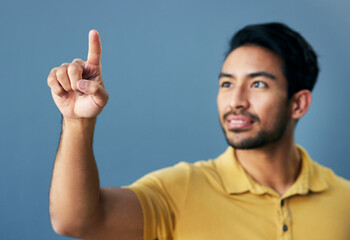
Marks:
<point>239,122</point>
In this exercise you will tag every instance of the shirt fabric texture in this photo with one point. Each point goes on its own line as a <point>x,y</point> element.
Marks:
<point>217,199</point>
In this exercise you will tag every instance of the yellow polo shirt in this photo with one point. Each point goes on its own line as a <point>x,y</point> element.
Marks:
<point>217,200</point>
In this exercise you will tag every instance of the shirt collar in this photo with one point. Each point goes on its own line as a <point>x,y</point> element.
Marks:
<point>236,180</point>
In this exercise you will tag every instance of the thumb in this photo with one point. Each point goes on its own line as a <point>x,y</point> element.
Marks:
<point>95,90</point>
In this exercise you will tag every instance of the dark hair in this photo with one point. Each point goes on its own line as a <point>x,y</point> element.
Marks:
<point>300,60</point>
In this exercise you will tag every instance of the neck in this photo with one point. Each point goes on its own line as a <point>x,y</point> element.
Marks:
<point>276,166</point>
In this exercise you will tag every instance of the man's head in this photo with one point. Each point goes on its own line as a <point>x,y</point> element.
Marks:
<point>265,85</point>
<point>300,66</point>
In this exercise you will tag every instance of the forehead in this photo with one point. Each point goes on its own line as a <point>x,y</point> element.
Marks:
<point>249,59</point>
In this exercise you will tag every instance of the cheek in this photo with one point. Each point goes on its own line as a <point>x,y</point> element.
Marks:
<point>266,108</point>
<point>271,114</point>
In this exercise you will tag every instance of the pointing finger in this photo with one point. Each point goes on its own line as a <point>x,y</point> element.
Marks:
<point>95,49</point>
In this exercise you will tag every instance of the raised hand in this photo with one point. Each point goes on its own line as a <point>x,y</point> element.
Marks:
<point>77,87</point>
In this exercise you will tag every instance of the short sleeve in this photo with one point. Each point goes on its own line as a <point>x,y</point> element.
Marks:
<point>161,195</point>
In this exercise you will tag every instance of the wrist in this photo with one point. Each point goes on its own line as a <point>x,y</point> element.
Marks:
<point>79,124</point>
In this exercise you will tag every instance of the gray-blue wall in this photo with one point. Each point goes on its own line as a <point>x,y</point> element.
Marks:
<point>160,64</point>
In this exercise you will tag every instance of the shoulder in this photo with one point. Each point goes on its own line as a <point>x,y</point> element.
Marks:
<point>182,178</point>
<point>181,173</point>
<point>340,183</point>
<point>321,177</point>
<point>334,181</point>
<point>171,186</point>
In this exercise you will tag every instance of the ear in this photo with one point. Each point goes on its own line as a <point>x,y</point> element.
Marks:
<point>300,103</point>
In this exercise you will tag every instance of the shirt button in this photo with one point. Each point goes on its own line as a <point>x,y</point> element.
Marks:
<point>285,228</point>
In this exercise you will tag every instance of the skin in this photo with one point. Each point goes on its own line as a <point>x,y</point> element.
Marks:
<point>80,208</point>
<point>252,99</point>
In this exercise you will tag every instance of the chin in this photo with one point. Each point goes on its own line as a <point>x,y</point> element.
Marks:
<point>246,144</point>
<point>261,139</point>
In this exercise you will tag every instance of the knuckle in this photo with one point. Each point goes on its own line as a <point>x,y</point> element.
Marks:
<point>61,72</point>
<point>74,68</point>
<point>77,60</point>
<point>54,70</point>
<point>51,80</point>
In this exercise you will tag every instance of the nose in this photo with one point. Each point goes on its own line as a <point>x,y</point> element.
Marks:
<point>239,98</point>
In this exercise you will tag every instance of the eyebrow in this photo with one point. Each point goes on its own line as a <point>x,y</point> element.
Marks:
<point>250,75</point>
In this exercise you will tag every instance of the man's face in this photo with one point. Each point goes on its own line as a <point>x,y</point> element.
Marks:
<point>252,99</point>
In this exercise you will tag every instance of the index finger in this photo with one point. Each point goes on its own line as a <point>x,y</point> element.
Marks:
<point>95,49</point>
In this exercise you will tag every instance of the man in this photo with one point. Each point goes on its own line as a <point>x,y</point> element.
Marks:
<point>263,187</point>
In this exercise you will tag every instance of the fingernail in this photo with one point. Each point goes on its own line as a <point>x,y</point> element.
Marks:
<point>82,84</point>
<point>79,93</point>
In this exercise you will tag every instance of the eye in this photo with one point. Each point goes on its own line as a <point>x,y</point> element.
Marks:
<point>226,85</point>
<point>259,84</point>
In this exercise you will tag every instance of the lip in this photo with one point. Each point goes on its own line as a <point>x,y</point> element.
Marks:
<point>238,122</point>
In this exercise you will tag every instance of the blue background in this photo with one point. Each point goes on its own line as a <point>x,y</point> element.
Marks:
<point>160,64</point>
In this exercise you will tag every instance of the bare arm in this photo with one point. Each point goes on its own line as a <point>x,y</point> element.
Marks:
<point>78,206</point>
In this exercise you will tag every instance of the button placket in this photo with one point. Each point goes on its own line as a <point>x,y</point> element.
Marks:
<point>286,220</point>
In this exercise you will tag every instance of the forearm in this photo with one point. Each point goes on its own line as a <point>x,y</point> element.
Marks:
<point>75,191</point>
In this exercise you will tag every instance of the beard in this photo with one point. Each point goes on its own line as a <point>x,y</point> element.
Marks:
<point>263,137</point>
